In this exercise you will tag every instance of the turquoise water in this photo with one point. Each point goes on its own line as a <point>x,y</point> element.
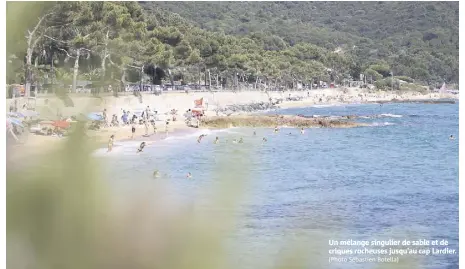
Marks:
<point>397,178</point>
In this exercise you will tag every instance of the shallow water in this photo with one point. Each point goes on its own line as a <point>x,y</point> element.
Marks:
<point>397,178</point>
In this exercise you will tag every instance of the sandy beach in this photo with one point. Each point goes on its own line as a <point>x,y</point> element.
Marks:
<point>49,107</point>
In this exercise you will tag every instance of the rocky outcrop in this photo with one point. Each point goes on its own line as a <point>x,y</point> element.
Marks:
<point>282,120</point>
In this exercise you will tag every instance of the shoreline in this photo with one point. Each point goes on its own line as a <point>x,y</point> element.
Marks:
<point>182,102</point>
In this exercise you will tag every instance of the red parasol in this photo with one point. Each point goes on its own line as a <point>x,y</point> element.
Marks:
<point>61,124</point>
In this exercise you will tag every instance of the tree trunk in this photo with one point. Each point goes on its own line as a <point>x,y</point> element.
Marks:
<point>30,48</point>
<point>28,74</point>
<point>104,57</point>
<point>123,79</point>
<point>200,75</point>
<point>76,68</point>
<point>171,78</point>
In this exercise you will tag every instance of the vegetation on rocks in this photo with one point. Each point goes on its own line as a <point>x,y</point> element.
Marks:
<point>273,121</point>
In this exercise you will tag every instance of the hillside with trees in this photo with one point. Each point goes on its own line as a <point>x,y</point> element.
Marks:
<point>120,42</point>
<point>416,39</point>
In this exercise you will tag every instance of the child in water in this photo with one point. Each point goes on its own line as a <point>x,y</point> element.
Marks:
<point>451,137</point>
<point>276,129</point>
<point>141,147</point>
<point>302,130</point>
<point>189,175</point>
<point>110,143</point>
<point>216,140</point>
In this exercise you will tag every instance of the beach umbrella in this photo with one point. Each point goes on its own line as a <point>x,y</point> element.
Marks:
<point>61,124</point>
<point>15,122</point>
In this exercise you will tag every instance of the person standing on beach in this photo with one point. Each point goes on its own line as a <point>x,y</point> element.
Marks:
<point>146,127</point>
<point>133,130</point>
<point>104,113</point>
<point>110,143</point>
<point>166,127</point>
<point>154,126</point>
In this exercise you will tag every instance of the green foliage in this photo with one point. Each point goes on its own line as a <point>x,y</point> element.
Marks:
<point>279,42</point>
<point>381,69</point>
<point>370,73</point>
<point>404,34</point>
<point>405,78</point>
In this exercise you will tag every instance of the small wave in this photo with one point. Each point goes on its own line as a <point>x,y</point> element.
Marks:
<point>391,115</point>
<point>198,133</point>
<point>323,106</point>
<point>120,148</point>
<point>382,123</point>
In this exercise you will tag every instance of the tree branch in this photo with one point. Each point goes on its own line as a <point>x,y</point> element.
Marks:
<point>67,53</point>
<point>31,33</point>
<point>57,40</point>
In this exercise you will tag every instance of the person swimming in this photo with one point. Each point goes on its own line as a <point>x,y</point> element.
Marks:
<point>189,175</point>
<point>200,138</point>
<point>241,140</point>
<point>141,147</point>
<point>264,140</point>
<point>156,173</point>
<point>302,131</point>
<point>451,137</point>
<point>216,140</point>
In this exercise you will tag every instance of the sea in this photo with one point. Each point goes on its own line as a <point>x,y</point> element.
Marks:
<point>321,193</point>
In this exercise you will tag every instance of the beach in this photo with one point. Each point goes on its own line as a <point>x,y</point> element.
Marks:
<point>48,107</point>
<point>294,183</point>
